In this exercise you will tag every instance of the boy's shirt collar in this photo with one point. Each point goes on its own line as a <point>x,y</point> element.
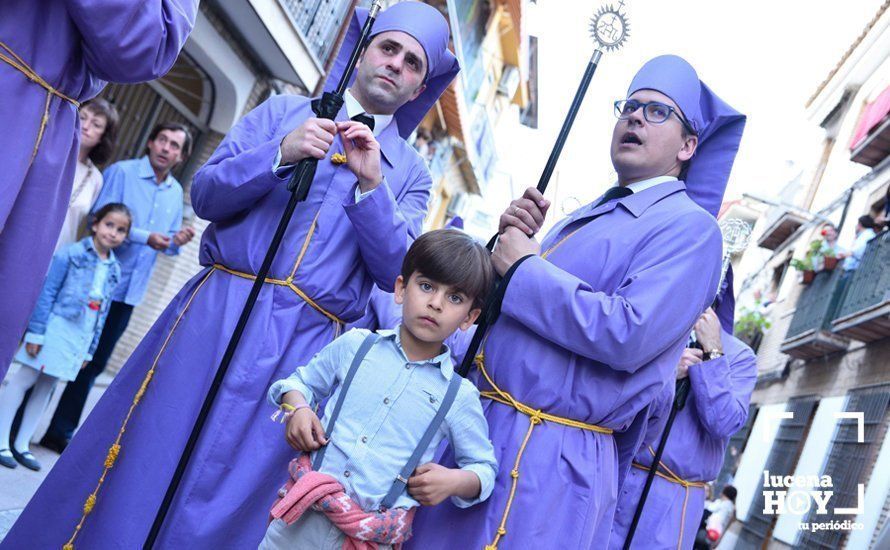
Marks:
<point>443,360</point>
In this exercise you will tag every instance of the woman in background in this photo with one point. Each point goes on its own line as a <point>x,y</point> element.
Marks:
<point>98,130</point>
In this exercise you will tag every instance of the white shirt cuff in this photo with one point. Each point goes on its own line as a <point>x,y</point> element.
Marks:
<point>359,196</point>
<point>277,169</point>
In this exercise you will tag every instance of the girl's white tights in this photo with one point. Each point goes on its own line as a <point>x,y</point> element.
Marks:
<point>11,395</point>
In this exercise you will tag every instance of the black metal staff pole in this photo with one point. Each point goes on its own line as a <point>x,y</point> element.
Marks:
<point>609,27</point>
<point>492,307</point>
<point>680,395</point>
<point>299,184</point>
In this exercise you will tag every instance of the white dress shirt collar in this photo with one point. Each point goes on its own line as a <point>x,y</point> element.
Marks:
<point>638,186</point>
<point>353,107</point>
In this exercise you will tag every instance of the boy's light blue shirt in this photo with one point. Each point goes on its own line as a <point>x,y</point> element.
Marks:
<point>156,208</point>
<point>388,407</point>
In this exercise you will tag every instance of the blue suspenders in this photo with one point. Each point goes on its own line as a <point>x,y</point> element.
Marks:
<point>401,480</point>
<point>350,374</point>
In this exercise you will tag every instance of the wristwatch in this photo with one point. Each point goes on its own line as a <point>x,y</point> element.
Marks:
<point>712,354</point>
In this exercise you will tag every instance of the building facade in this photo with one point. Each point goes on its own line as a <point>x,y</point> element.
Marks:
<point>820,411</point>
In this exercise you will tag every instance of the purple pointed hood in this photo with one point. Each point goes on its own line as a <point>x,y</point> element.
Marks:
<point>719,126</point>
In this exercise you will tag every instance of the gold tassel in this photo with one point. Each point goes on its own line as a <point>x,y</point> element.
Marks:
<point>144,386</point>
<point>68,547</point>
<point>112,455</point>
<point>88,506</point>
<point>338,158</point>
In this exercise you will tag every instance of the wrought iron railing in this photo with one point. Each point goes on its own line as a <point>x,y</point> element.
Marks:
<point>870,283</point>
<point>817,304</point>
<point>319,21</point>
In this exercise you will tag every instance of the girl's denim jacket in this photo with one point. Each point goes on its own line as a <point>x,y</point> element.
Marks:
<point>66,291</point>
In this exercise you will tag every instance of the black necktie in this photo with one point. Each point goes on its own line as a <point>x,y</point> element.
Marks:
<point>367,120</point>
<point>614,193</point>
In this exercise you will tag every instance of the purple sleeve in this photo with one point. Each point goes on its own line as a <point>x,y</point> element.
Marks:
<point>658,414</point>
<point>722,389</point>
<point>127,41</point>
<point>628,328</point>
<point>385,226</point>
<point>239,172</point>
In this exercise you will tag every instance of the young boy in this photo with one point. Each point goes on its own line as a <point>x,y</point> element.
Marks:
<point>397,396</point>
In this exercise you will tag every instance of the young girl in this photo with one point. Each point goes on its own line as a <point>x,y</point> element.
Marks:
<point>64,328</point>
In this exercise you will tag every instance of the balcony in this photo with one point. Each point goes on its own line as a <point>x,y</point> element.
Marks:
<point>871,139</point>
<point>875,147</point>
<point>319,21</point>
<point>778,232</point>
<point>864,313</point>
<point>809,334</point>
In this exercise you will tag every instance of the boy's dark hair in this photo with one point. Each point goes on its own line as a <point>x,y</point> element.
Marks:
<point>176,127</point>
<point>867,222</point>
<point>112,207</point>
<point>103,150</point>
<point>451,257</point>
<point>730,492</point>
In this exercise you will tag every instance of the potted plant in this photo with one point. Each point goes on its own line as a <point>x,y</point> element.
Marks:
<point>829,259</point>
<point>750,326</point>
<point>822,255</point>
<point>805,267</point>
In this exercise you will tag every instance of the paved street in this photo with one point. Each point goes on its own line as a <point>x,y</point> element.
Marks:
<point>21,483</point>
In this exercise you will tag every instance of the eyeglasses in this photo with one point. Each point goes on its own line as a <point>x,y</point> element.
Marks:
<point>654,112</point>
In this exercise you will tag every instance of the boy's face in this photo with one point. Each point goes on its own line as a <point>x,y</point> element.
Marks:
<point>432,311</point>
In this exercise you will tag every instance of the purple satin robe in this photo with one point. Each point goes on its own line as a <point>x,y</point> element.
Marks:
<point>591,333</point>
<point>241,459</point>
<point>382,313</point>
<point>716,408</point>
<point>75,46</point>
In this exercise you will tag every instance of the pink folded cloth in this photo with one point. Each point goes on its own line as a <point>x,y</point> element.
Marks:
<point>323,493</point>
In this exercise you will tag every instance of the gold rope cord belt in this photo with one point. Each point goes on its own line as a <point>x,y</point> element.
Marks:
<point>289,283</point>
<point>19,64</point>
<point>115,448</point>
<point>673,478</point>
<point>536,417</point>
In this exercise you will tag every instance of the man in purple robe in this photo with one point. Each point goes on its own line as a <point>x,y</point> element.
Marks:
<point>54,56</point>
<point>594,321</point>
<point>351,233</point>
<point>722,376</point>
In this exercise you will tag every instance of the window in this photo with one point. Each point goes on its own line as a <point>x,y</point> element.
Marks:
<point>850,462</point>
<point>782,461</point>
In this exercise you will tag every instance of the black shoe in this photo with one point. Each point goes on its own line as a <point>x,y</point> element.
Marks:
<point>27,460</point>
<point>54,444</point>
<point>7,460</point>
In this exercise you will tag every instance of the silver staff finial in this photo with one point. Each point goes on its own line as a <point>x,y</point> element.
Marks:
<point>375,8</point>
<point>736,236</point>
<point>609,27</point>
